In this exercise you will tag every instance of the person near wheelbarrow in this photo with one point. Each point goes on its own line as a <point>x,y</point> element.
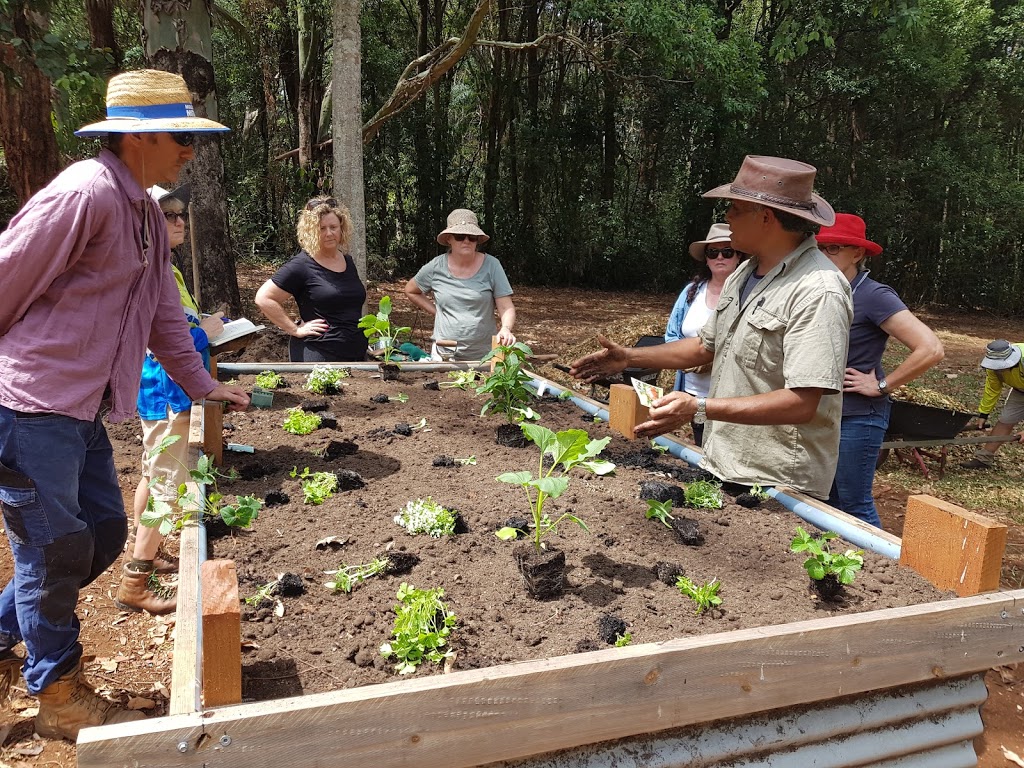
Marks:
<point>878,313</point>
<point>1004,367</point>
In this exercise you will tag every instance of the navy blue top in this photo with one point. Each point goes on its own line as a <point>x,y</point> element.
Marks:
<point>873,304</point>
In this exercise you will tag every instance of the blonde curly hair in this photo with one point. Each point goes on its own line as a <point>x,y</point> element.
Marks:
<point>307,231</point>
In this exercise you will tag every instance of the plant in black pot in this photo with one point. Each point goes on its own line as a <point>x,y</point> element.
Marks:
<point>543,566</point>
<point>829,572</point>
<point>508,394</point>
<point>383,337</point>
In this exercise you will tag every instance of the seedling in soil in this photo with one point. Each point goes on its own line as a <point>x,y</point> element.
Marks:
<point>661,510</point>
<point>823,565</point>
<point>348,576</point>
<point>380,332</point>
<point>422,626</point>
<point>263,593</point>
<point>421,424</point>
<point>401,397</point>
<point>299,422</point>
<point>317,487</point>
<point>662,449</point>
<point>323,380</point>
<point>758,492</point>
<point>753,497</point>
<point>705,596</point>
<point>269,380</point>
<point>426,516</point>
<point>469,460</point>
<point>506,386</point>
<point>160,514</point>
<point>568,449</point>
<point>460,380</point>
<point>704,494</point>
<point>566,394</point>
<point>623,640</point>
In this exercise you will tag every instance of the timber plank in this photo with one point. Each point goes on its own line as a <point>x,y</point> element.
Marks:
<point>516,710</point>
<point>625,410</point>
<point>222,634</point>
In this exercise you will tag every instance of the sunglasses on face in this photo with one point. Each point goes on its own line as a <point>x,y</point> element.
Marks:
<point>460,238</point>
<point>174,215</point>
<point>183,138</point>
<point>316,202</point>
<point>719,253</point>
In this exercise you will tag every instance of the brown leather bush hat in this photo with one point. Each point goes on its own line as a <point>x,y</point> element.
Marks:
<point>780,183</point>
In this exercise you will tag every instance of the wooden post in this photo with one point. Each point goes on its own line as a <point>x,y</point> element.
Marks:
<point>222,634</point>
<point>498,357</point>
<point>625,410</point>
<point>951,547</point>
<point>213,423</point>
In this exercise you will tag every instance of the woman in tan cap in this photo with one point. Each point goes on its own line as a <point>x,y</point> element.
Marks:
<point>467,285</point>
<point>698,299</point>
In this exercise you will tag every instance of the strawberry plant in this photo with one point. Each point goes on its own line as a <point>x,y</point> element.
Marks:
<point>269,380</point>
<point>299,422</point>
<point>380,332</point>
<point>422,626</point>
<point>821,562</point>
<point>704,494</point>
<point>704,596</point>
<point>324,380</point>
<point>426,516</point>
<point>317,487</point>
<point>506,386</point>
<point>348,576</point>
<point>568,450</point>
<point>660,510</point>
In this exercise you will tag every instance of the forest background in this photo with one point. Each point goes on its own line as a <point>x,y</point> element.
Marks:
<point>582,131</point>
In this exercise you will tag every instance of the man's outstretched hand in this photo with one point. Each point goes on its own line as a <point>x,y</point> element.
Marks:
<point>235,396</point>
<point>605,362</point>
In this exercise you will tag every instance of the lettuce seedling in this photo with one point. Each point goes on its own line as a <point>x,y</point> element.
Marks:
<point>460,379</point>
<point>426,516</point>
<point>348,576</point>
<point>422,626</point>
<point>379,330</point>
<point>662,449</point>
<point>660,510</point>
<point>704,494</point>
<point>568,449</point>
<point>506,386</point>
<point>299,422</point>
<point>269,380</point>
<point>317,487</point>
<point>705,595</point>
<point>621,641</point>
<point>821,562</point>
<point>324,380</point>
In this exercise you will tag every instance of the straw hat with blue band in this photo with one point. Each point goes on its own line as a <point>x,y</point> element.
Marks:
<point>149,101</point>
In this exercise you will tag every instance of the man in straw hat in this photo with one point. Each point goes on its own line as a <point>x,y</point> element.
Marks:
<point>778,340</point>
<point>1004,367</point>
<point>88,286</point>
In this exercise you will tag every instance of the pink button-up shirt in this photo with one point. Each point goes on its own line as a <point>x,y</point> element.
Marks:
<point>81,299</point>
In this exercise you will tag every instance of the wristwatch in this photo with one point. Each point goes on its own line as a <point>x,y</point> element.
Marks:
<point>883,386</point>
<point>701,415</point>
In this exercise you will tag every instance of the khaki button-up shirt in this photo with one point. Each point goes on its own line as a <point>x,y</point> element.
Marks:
<point>792,331</point>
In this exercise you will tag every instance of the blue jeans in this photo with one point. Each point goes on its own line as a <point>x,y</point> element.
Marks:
<point>859,442</point>
<point>66,524</point>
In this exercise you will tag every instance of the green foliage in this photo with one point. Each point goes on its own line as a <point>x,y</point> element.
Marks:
<point>348,577</point>
<point>468,461</point>
<point>758,492</point>
<point>661,510</point>
<point>821,562</point>
<point>269,380</point>
<point>704,494</point>
<point>325,380</point>
<point>621,641</point>
<point>426,516</point>
<point>704,596</point>
<point>568,449</point>
<point>460,379</point>
<point>265,592</point>
<point>317,487</point>
<point>383,336</point>
<point>662,449</point>
<point>423,624</point>
<point>506,386</point>
<point>299,422</point>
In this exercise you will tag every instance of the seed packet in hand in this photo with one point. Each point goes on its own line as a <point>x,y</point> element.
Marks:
<point>647,393</point>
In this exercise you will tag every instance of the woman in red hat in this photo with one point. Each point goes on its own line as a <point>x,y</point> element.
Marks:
<point>878,313</point>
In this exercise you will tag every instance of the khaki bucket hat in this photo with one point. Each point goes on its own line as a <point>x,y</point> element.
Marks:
<point>462,221</point>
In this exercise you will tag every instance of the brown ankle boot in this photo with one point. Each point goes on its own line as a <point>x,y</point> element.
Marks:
<point>165,563</point>
<point>134,594</point>
<point>10,671</point>
<point>70,704</point>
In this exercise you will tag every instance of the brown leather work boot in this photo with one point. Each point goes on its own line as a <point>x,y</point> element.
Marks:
<point>136,594</point>
<point>69,704</point>
<point>164,562</point>
<point>10,671</point>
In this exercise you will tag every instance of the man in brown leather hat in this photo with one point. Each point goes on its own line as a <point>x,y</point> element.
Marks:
<point>778,339</point>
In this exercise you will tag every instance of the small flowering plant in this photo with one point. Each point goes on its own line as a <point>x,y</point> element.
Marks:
<point>426,516</point>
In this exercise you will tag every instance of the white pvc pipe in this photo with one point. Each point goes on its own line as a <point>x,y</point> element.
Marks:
<point>431,366</point>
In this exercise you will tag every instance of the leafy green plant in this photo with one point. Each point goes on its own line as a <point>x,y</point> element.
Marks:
<point>426,516</point>
<point>379,330</point>
<point>704,494</point>
<point>506,386</point>
<point>325,380</point>
<point>317,487</point>
<point>568,449</point>
<point>758,492</point>
<point>566,394</point>
<point>460,379</point>
<point>348,576</point>
<point>265,592</point>
<point>704,596</point>
<point>167,517</point>
<point>662,449</point>
<point>468,461</point>
<point>400,397</point>
<point>269,380</point>
<point>422,626</point>
<point>621,641</point>
<point>662,510</point>
<point>299,422</point>
<point>821,562</point>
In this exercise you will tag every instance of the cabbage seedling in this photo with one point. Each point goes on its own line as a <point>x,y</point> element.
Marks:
<point>704,596</point>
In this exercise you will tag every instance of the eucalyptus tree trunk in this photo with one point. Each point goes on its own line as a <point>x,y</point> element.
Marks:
<point>100,16</point>
<point>176,35</point>
<point>310,29</point>
<point>346,77</point>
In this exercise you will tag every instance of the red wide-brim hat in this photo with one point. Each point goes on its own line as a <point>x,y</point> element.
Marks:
<point>848,230</point>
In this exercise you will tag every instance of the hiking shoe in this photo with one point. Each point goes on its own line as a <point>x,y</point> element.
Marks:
<point>164,563</point>
<point>975,464</point>
<point>69,704</point>
<point>137,592</point>
<point>10,671</point>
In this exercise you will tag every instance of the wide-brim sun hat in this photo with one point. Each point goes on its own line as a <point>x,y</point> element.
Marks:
<point>779,183</point>
<point>149,101</point>
<point>182,194</point>
<point>848,230</point>
<point>462,221</point>
<point>719,233</point>
<point>1000,355</point>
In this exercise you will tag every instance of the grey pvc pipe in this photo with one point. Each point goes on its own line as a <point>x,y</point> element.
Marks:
<point>819,518</point>
<point>432,366</point>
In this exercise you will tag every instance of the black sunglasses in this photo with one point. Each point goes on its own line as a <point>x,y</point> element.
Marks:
<point>316,202</point>
<point>460,238</point>
<point>716,253</point>
<point>183,138</point>
<point>172,215</point>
